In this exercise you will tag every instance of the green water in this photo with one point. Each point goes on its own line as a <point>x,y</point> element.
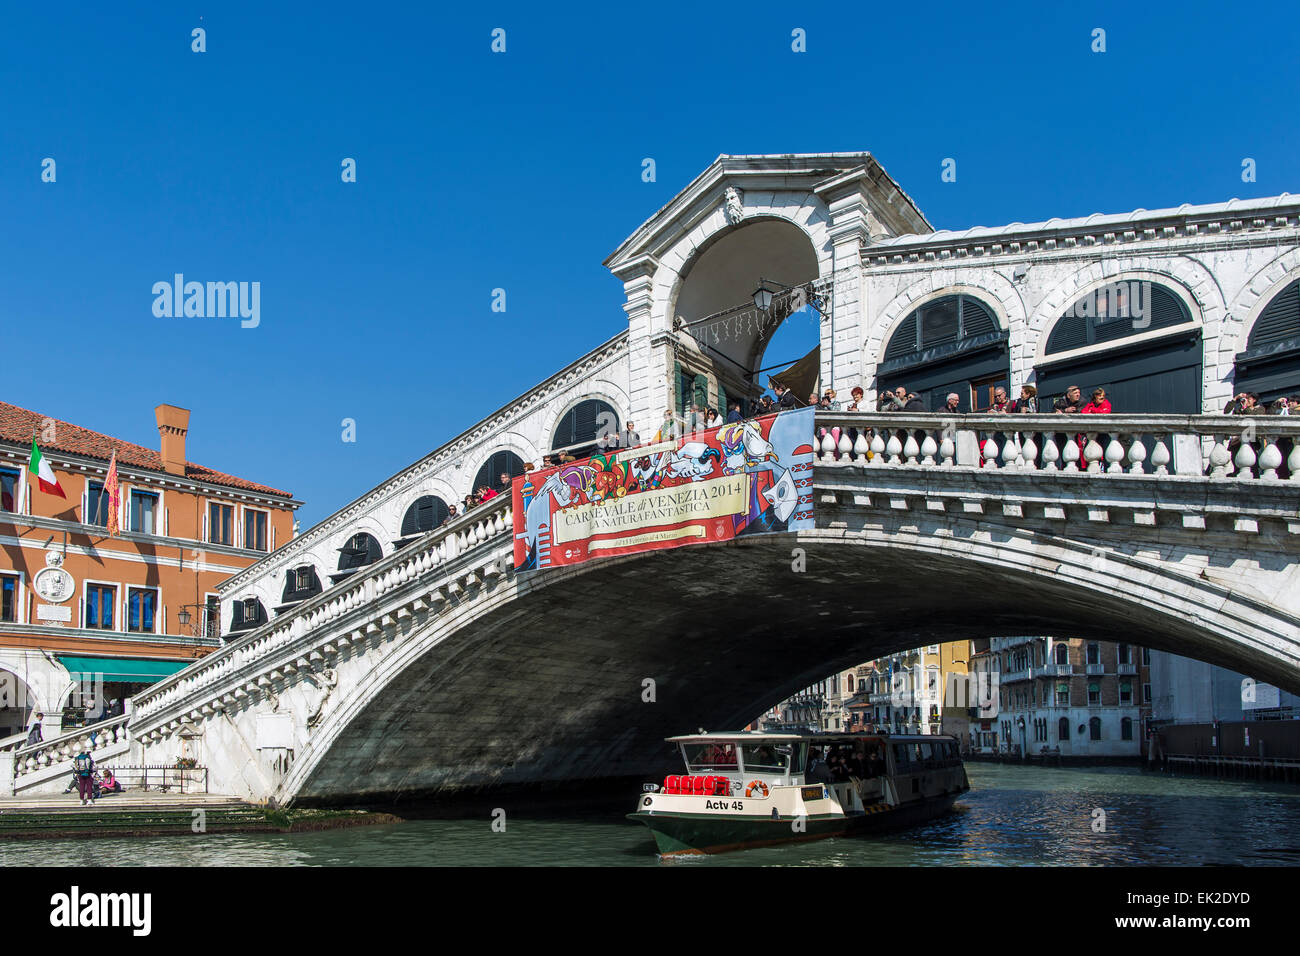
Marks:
<point>1012,816</point>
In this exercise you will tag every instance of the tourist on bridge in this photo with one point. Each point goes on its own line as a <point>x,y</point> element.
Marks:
<point>855,405</point>
<point>669,430</point>
<point>1068,404</point>
<point>733,412</point>
<point>829,399</point>
<point>1100,404</point>
<point>784,397</point>
<point>952,405</point>
<point>1027,403</point>
<point>83,768</point>
<point>34,735</point>
<point>712,419</point>
<point>1245,403</point>
<point>1001,401</point>
<point>914,403</point>
<point>629,436</point>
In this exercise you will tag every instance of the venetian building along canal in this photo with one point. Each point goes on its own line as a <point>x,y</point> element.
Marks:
<point>389,628</point>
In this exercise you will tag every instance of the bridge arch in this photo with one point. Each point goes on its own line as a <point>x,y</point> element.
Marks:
<point>1189,279</point>
<point>853,605</point>
<point>19,701</point>
<point>1249,302</point>
<point>717,266</point>
<point>424,513</point>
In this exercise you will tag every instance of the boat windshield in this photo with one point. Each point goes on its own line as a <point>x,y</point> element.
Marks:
<point>767,758</point>
<point>710,756</point>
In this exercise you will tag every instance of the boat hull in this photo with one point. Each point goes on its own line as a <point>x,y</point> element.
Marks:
<point>698,833</point>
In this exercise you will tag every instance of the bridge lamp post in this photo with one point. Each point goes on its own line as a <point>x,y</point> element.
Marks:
<point>183,617</point>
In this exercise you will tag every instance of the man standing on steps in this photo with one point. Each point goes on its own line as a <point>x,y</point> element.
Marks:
<point>83,768</point>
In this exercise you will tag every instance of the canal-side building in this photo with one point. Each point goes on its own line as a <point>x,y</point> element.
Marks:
<point>1080,696</point>
<point>127,609</point>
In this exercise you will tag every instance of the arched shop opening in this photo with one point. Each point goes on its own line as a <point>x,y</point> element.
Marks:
<point>1270,365</point>
<point>577,431</point>
<point>499,463</point>
<point>949,344</point>
<point>424,515</point>
<point>1108,338</point>
<point>17,704</point>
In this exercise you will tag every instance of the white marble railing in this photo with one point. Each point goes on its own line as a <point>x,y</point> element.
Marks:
<point>1253,447</point>
<point>92,739</point>
<point>313,620</point>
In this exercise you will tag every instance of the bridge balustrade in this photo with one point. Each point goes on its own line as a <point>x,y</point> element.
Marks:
<point>298,630</point>
<point>1256,447</point>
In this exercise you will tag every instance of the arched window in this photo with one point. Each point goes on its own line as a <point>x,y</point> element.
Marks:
<point>361,549</point>
<point>1126,729</point>
<point>582,425</point>
<point>1148,375</point>
<point>425,514</point>
<point>1062,654</point>
<point>248,614</point>
<point>300,583</point>
<point>950,344</point>
<point>498,463</point>
<point>1270,365</point>
<point>850,683</point>
<point>1094,728</point>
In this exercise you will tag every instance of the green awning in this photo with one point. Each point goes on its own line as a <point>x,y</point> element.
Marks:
<point>130,670</point>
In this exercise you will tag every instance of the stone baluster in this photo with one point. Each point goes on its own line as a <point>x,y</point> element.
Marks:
<point>1137,454</point>
<point>877,448</point>
<point>1293,459</point>
<point>928,449</point>
<point>845,448</point>
<point>1051,453</point>
<point>1245,460</point>
<point>1071,454</point>
<point>989,451</point>
<point>1029,453</point>
<point>947,450</point>
<point>911,449</point>
<point>861,445</point>
<point>1010,453</point>
<point>1114,456</point>
<point>827,446</point>
<point>894,447</point>
<point>1219,458</point>
<point>1092,453</point>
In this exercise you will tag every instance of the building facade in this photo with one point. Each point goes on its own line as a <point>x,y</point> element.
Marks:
<point>87,619</point>
<point>1080,697</point>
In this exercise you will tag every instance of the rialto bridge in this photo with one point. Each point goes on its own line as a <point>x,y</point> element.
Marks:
<point>389,650</point>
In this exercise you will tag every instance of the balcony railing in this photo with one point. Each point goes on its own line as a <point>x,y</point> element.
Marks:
<point>1053,670</point>
<point>1204,446</point>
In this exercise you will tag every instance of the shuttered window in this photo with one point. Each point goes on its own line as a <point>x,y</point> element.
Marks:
<point>361,550</point>
<point>1115,312</point>
<point>583,424</point>
<point>425,514</point>
<point>944,321</point>
<point>500,462</point>
<point>1280,319</point>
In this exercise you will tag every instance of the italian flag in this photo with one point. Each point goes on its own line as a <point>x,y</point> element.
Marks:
<point>40,469</point>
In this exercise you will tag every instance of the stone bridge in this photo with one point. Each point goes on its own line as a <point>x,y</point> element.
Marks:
<point>439,669</point>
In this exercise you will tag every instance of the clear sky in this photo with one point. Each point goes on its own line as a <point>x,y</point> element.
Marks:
<point>522,171</point>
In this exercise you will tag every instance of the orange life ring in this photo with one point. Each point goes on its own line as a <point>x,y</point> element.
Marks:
<point>756,786</point>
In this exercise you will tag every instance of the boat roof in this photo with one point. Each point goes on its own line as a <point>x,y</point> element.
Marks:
<point>752,735</point>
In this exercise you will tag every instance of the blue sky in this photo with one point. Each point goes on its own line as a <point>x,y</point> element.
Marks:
<point>522,171</point>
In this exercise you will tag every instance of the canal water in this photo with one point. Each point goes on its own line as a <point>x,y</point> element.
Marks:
<point>1012,816</point>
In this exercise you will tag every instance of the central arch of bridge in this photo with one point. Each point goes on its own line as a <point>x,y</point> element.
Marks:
<point>550,685</point>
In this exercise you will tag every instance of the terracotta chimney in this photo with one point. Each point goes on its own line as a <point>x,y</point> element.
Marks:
<point>173,423</point>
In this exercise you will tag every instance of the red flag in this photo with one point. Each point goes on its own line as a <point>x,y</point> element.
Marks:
<point>113,492</point>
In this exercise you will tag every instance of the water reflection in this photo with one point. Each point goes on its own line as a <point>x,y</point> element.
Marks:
<point>1013,816</point>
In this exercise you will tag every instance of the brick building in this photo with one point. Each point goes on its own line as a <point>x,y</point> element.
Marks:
<point>86,615</point>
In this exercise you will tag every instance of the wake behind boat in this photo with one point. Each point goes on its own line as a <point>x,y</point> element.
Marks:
<point>744,790</point>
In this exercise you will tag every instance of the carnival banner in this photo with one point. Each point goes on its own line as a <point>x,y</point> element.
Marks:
<point>749,477</point>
